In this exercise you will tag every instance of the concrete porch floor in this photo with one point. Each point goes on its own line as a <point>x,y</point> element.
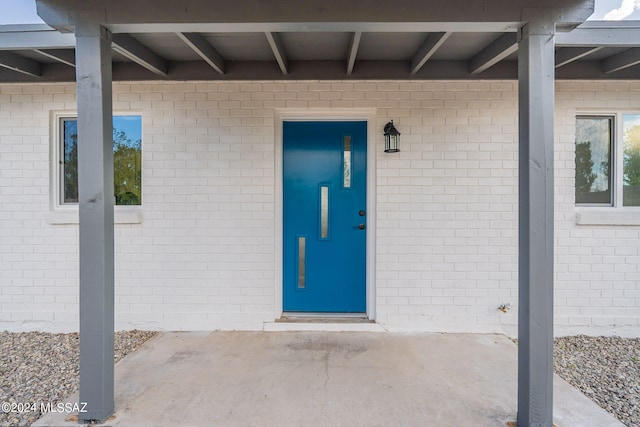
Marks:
<point>328,379</point>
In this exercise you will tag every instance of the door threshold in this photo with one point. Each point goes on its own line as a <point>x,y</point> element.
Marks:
<point>323,322</point>
<point>296,317</point>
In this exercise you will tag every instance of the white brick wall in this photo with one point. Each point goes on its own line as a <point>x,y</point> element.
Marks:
<point>447,208</point>
<point>597,267</point>
<point>204,255</point>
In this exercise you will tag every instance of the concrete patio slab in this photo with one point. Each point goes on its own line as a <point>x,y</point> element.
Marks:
<point>328,379</point>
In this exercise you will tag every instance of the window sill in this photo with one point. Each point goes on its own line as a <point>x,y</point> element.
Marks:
<point>71,216</point>
<point>607,216</point>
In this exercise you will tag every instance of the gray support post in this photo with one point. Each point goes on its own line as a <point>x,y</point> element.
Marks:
<point>96,201</point>
<point>535,302</point>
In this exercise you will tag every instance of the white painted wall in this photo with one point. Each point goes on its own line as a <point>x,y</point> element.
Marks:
<point>204,255</point>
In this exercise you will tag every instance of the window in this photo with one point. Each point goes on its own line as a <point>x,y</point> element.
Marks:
<point>594,144</point>
<point>631,160</point>
<point>127,160</point>
<point>608,160</point>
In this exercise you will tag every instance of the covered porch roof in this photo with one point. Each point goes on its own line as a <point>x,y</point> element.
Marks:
<point>312,40</point>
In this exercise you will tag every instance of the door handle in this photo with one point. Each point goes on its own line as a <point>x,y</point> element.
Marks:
<point>361,226</point>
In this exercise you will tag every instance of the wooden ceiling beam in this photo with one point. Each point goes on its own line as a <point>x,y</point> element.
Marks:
<point>203,48</point>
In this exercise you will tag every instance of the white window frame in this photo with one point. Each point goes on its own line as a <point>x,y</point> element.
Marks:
<point>616,214</point>
<point>67,213</point>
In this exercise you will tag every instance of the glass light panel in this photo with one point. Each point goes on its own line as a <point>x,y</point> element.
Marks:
<point>593,160</point>
<point>302,251</point>
<point>631,160</point>
<point>324,212</point>
<point>347,162</point>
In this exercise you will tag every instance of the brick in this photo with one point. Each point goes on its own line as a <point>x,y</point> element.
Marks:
<point>203,256</point>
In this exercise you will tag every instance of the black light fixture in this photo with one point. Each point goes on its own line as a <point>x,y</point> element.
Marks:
<point>391,138</point>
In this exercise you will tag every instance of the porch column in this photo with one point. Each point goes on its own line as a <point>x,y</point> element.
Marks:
<point>96,201</point>
<point>535,276</point>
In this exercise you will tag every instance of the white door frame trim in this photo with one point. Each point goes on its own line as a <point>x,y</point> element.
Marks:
<point>368,115</point>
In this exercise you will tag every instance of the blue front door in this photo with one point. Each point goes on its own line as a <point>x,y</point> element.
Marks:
<point>324,216</point>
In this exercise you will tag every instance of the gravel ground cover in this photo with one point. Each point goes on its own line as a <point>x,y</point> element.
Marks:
<point>605,369</point>
<point>40,368</point>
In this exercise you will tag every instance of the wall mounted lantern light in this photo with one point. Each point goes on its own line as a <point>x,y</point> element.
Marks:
<point>391,138</point>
